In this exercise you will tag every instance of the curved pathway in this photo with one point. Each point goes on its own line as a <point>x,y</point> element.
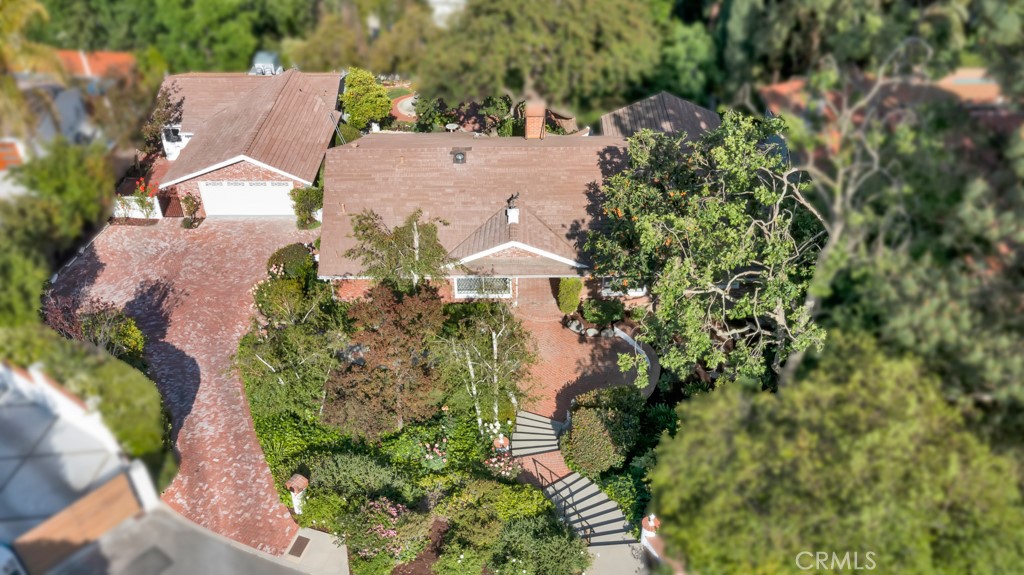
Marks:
<point>189,292</point>
<point>401,108</point>
<point>568,365</point>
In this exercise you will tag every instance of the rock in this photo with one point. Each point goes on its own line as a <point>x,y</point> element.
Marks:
<point>575,326</point>
<point>592,332</point>
<point>607,332</point>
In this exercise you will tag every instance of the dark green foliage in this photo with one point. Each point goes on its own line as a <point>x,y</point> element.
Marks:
<point>862,454</point>
<point>349,133</point>
<point>603,311</point>
<point>294,261</point>
<point>306,201</point>
<point>542,545</point>
<point>22,276</point>
<point>569,294</point>
<point>109,328</point>
<point>431,113</point>
<point>361,477</point>
<point>605,427</point>
<point>401,257</point>
<point>128,401</point>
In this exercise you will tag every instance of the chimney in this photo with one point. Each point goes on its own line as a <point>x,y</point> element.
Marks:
<point>512,211</point>
<point>535,113</point>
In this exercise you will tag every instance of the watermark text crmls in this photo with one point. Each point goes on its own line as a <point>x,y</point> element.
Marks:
<point>836,561</point>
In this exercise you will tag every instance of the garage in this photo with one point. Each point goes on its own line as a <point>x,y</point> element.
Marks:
<point>241,198</point>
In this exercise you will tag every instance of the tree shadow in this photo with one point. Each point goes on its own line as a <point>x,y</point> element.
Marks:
<point>176,374</point>
<point>597,369</point>
<point>610,160</point>
<point>79,274</point>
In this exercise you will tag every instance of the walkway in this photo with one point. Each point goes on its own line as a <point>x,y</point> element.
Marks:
<point>402,108</point>
<point>568,365</point>
<point>189,292</point>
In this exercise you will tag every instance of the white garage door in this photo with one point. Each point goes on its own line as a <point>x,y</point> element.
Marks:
<point>246,198</point>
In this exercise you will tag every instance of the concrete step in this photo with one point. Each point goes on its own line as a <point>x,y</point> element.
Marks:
<point>522,451</point>
<point>570,480</point>
<point>611,538</point>
<point>539,427</point>
<point>603,521</point>
<point>592,508</point>
<point>534,432</point>
<point>527,416</point>
<point>581,495</point>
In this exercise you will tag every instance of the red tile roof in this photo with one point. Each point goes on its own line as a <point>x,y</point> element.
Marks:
<point>394,174</point>
<point>81,64</point>
<point>661,112</point>
<point>284,121</point>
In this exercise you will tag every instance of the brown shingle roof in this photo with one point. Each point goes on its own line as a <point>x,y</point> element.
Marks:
<point>394,174</point>
<point>284,121</point>
<point>661,112</point>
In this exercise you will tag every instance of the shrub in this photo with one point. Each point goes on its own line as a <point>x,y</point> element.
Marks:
<point>603,311</point>
<point>190,204</point>
<point>364,99</point>
<point>569,294</point>
<point>632,494</point>
<point>459,560</point>
<point>605,426</point>
<point>280,300</point>
<point>349,133</point>
<point>373,530</point>
<point>361,477</point>
<point>322,509</point>
<point>519,501</point>
<point>292,261</point>
<point>109,328</point>
<point>539,545</point>
<point>306,201</point>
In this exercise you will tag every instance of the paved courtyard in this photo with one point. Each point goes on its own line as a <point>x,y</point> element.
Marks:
<point>189,292</point>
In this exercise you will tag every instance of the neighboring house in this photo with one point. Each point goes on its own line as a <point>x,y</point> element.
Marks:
<point>506,249</point>
<point>97,69</point>
<point>71,503</point>
<point>245,141</point>
<point>661,112</point>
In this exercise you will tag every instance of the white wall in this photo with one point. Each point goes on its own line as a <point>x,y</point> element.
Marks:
<point>125,207</point>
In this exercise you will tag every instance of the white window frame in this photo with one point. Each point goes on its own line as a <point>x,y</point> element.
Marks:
<point>607,291</point>
<point>475,294</point>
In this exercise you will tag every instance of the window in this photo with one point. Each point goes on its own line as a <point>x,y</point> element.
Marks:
<point>172,134</point>
<point>608,291</point>
<point>483,287</point>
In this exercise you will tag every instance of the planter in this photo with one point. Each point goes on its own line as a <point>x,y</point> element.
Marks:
<point>501,444</point>
<point>134,221</point>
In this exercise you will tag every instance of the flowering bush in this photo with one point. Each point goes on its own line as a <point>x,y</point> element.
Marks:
<point>378,533</point>
<point>435,455</point>
<point>495,429</point>
<point>503,465</point>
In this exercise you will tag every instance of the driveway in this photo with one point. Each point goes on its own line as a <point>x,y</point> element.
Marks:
<point>189,292</point>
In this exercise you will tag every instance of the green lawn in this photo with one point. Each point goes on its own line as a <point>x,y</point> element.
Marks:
<point>398,92</point>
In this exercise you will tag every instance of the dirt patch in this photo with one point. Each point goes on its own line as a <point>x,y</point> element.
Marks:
<point>422,563</point>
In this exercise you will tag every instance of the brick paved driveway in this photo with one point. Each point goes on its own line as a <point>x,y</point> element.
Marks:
<point>189,291</point>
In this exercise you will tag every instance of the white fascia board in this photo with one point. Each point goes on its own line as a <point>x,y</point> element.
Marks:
<point>226,163</point>
<point>524,247</point>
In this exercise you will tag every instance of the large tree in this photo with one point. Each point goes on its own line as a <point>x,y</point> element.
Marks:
<point>391,381</point>
<point>572,53</point>
<point>401,257</point>
<point>718,232</point>
<point>364,100</point>
<point>863,455</point>
<point>486,358</point>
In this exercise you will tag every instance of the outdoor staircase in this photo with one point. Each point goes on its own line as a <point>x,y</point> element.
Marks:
<point>582,505</point>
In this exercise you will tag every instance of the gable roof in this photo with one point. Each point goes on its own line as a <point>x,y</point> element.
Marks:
<point>394,174</point>
<point>662,112</point>
<point>282,122</point>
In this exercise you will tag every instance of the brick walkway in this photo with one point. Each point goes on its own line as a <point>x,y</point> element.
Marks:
<point>189,292</point>
<point>397,112</point>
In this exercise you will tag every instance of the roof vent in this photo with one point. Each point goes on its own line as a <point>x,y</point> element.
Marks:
<point>459,155</point>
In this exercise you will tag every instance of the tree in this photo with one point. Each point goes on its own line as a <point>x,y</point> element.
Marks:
<point>400,257</point>
<point>166,112</point>
<point>209,35</point>
<point>70,191</point>
<point>364,100</point>
<point>573,53</point>
<point>391,383</point>
<point>687,61</point>
<point>862,455</point>
<point>487,358</point>
<point>1000,38</point>
<point>718,232</point>
<point>18,53</point>
<point>22,276</point>
<point>326,49</point>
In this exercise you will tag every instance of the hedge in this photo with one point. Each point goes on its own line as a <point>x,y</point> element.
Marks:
<point>293,260</point>
<point>605,427</point>
<point>569,294</point>
<point>306,202</point>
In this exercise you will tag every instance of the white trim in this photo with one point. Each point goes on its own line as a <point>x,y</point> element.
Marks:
<point>235,160</point>
<point>524,247</point>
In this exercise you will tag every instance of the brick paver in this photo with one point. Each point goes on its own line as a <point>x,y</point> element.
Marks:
<point>189,292</point>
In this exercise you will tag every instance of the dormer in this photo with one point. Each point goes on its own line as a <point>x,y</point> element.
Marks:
<point>174,141</point>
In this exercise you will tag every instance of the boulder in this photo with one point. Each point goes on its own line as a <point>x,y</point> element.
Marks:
<point>592,332</point>
<point>607,332</point>
<point>575,326</point>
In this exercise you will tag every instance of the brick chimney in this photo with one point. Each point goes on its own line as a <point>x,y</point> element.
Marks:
<point>535,113</point>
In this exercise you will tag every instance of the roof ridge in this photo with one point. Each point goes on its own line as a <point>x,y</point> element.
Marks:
<point>525,208</point>
<point>288,76</point>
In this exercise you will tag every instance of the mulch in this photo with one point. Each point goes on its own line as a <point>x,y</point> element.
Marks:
<point>421,565</point>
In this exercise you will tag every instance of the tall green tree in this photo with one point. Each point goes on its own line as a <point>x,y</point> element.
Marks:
<point>573,53</point>
<point>401,257</point>
<point>862,455</point>
<point>718,232</point>
<point>364,100</point>
<point>391,382</point>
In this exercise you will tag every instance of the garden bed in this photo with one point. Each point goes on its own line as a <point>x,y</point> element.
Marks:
<point>423,563</point>
<point>133,221</point>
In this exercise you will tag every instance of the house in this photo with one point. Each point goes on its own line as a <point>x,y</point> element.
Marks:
<point>662,112</point>
<point>244,141</point>
<point>517,209</point>
<point>71,502</point>
<point>97,69</point>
